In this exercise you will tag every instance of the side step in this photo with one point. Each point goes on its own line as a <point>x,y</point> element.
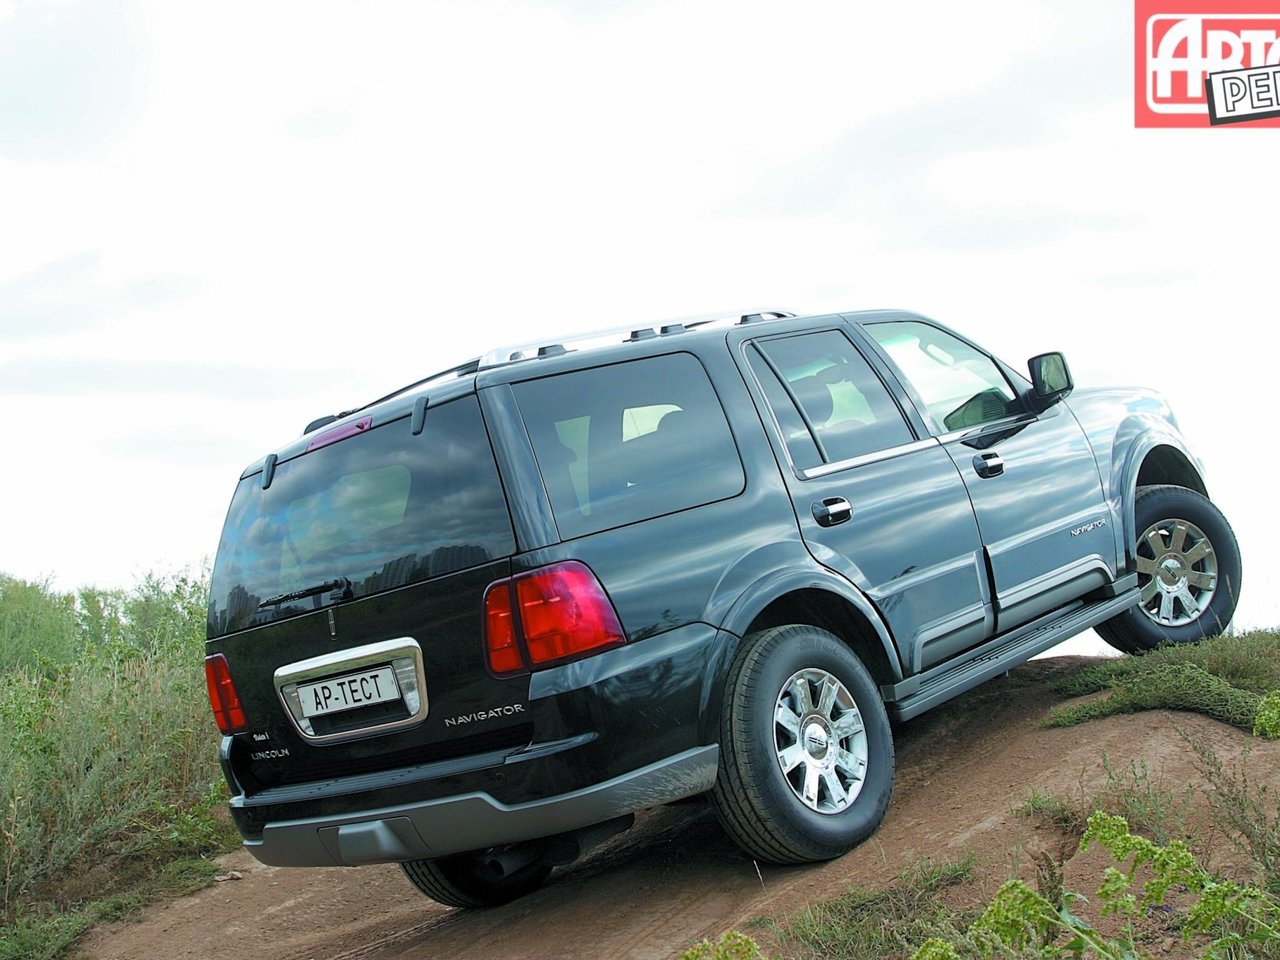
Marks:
<point>917,694</point>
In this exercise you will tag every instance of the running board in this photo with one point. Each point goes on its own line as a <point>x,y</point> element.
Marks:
<point>926,690</point>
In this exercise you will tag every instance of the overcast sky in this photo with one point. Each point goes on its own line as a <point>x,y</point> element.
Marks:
<point>219,221</point>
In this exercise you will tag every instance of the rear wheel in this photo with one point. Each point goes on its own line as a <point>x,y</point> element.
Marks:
<point>806,752</point>
<point>473,880</point>
<point>1188,566</point>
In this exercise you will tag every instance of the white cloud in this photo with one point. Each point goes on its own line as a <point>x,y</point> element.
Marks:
<point>258,213</point>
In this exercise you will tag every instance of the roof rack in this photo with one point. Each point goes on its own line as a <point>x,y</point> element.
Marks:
<point>558,346</point>
<point>555,346</point>
<point>461,370</point>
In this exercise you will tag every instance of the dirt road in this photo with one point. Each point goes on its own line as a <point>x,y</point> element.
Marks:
<point>674,877</point>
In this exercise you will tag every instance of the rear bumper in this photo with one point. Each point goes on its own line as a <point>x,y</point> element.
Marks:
<point>475,821</point>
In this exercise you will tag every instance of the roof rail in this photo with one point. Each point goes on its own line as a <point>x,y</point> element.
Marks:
<point>461,370</point>
<point>554,346</point>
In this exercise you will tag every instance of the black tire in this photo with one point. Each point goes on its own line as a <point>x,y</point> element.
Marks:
<point>466,880</point>
<point>761,806</point>
<point>1170,524</point>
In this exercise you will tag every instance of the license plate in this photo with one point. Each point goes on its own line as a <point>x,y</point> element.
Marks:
<point>349,692</point>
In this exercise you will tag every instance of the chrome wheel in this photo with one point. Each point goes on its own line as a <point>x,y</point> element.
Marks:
<point>1177,571</point>
<point>820,741</point>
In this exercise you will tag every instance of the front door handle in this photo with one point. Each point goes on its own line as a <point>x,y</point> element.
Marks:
<point>832,510</point>
<point>988,465</point>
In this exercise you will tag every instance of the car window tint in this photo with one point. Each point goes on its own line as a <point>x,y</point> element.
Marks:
<point>629,441</point>
<point>960,386</point>
<point>382,509</point>
<point>850,411</point>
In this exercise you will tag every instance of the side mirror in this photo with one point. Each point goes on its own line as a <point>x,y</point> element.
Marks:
<point>1050,379</point>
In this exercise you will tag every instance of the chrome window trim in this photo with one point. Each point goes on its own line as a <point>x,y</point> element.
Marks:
<point>991,426</point>
<point>887,454</point>
<point>403,655</point>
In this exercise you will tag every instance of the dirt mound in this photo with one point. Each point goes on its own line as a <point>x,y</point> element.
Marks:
<point>674,877</point>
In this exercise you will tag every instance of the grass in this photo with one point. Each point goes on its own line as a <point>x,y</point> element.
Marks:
<point>881,923</point>
<point>1148,804</point>
<point>1228,678</point>
<point>108,771</point>
<point>1248,661</point>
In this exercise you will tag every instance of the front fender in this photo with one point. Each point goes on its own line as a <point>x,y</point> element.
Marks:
<point>1124,427</point>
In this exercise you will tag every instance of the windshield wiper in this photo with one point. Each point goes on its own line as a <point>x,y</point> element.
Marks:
<point>341,588</point>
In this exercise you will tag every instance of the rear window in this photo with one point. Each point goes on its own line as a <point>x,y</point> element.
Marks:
<point>382,509</point>
<point>629,441</point>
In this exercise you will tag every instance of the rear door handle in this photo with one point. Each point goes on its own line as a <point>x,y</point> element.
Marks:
<point>988,465</point>
<point>832,510</point>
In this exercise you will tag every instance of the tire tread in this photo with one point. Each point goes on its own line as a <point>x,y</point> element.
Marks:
<point>739,802</point>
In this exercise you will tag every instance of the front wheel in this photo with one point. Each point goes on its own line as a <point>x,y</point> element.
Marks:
<point>806,751</point>
<point>1188,566</point>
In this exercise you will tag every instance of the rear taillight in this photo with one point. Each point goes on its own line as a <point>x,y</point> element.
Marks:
<point>223,698</point>
<point>560,613</point>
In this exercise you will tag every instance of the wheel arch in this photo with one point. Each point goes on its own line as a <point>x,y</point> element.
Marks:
<point>1158,461</point>
<point>817,598</point>
<point>821,608</point>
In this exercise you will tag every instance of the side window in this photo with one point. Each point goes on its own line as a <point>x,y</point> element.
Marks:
<point>961,387</point>
<point>828,400</point>
<point>629,441</point>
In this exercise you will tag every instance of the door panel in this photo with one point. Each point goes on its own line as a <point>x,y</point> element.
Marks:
<point>874,502</point>
<point>1031,477</point>
<point>1043,517</point>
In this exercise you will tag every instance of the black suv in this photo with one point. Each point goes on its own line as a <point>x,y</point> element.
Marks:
<point>476,625</point>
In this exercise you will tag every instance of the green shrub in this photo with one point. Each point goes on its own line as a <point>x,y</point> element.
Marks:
<point>1248,661</point>
<point>37,624</point>
<point>1177,685</point>
<point>108,763</point>
<point>1241,921</point>
<point>1266,722</point>
<point>731,946</point>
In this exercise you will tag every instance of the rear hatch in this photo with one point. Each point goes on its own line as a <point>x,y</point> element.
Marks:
<point>347,594</point>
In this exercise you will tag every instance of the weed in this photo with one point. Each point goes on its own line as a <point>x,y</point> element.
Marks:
<point>1145,801</point>
<point>1250,813</point>
<point>1049,882</point>
<point>1242,921</point>
<point>1062,812</point>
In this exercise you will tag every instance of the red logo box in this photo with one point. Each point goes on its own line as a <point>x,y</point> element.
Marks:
<point>1177,43</point>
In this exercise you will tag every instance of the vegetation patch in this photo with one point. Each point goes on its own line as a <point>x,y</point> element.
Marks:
<point>1147,803</point>
<point>1233,679</point>
<point>1239,921</point>
<point>1248,812</point>
<point>1249,661</point>
<point>108,777</point>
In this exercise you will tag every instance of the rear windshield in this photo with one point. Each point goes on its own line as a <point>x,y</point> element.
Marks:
<point>382,509</point>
